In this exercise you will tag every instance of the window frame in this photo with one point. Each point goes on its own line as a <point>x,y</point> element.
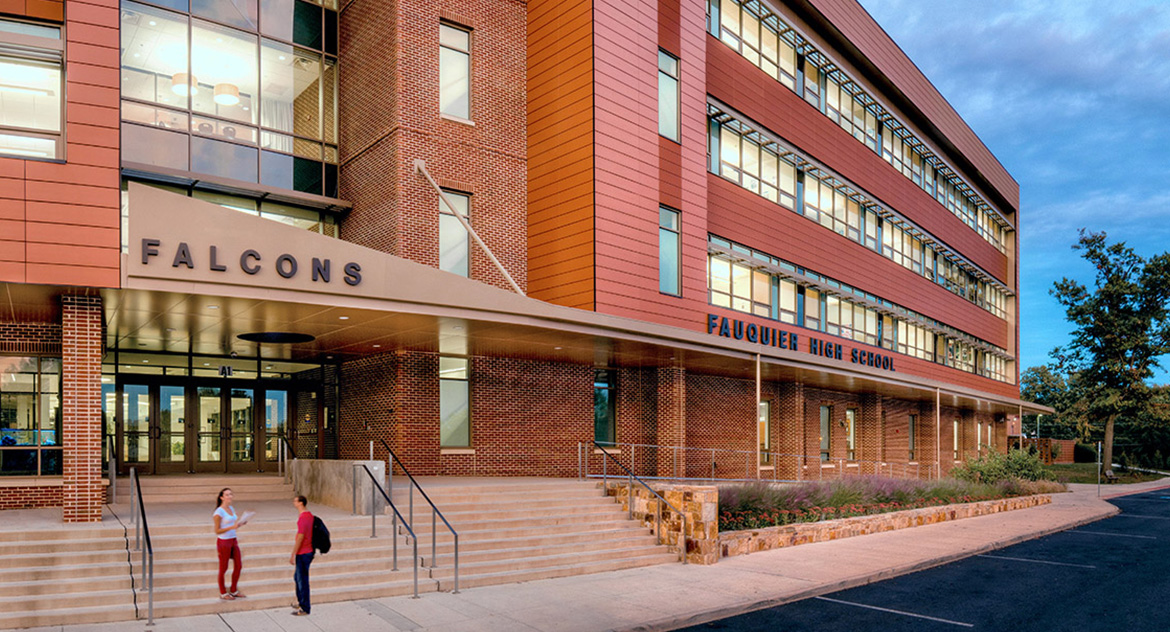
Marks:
<point>676,232</point>
<point>466,381</point>
<point>445,212</point>
<point>34,48</point>
<point>676,134</point>
<point>609,385</point>
<point>470,70</point>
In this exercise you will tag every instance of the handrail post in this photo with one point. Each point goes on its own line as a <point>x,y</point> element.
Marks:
<point>150,593</point>
<point>658,521</point>
<point>580,470</point>
<point>415,564</point>
<point>373,513</point>
<point>434,539</point>
<point>684,538</point>
<point>353,508</point>
<point>134,501</point>
<point>630,495</point>
<point>712,463</point>
<point>604,470</point>
<point>633,461</point>
<point>456,563</point>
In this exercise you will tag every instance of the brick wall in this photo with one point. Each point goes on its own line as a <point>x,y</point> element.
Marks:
<point>390,117</point>
<point>81,429</point>
<point>30,338</point>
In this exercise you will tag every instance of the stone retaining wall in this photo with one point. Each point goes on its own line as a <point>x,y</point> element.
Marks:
<point>732,543</point>
<point>700,504</point>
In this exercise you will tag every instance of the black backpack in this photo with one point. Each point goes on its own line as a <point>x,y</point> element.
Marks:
<point>321,535</point>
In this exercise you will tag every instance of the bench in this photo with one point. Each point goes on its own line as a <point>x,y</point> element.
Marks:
<point>1110,477</point>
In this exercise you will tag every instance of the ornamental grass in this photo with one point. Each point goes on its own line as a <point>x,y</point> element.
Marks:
<point>758,505</point>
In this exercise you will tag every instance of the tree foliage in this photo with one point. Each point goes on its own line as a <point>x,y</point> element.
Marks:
<point>1121,326</point>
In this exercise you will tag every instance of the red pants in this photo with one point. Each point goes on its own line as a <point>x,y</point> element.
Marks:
<point>228,549</point>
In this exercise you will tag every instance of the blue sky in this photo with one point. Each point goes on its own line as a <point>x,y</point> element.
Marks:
<point>1073,97</point>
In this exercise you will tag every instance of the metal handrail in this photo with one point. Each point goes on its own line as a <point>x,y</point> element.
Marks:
<point>397,516</point>
<point>282,456</point>
<point>630,478</point>
<point>434,509</point>
<point>142,534</point>
<point>908,470</point>
<point>113,466</point>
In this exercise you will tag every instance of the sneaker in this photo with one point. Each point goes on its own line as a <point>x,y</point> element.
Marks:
<point>300,613</point>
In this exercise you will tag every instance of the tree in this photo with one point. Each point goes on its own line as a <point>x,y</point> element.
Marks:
<point>1121,327</point>
<point>1048,386</point>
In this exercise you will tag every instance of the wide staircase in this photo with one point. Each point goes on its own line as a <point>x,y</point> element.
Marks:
<point>62,574</point>
<point>510,530</point>
<point>524,529</point>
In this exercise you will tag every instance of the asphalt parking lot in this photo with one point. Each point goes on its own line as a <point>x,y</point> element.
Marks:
<point>1110,574</point>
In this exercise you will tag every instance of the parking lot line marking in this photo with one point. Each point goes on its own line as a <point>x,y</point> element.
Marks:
<point>1024,559</point>
<point>1128,515</point>
<point>901,612</point>
<point>1116,535</point>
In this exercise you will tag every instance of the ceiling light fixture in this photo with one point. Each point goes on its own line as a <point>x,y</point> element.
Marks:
<point>213,307</point>
<point>343,318</point>
<point>226,94</point>
<point>377,346</point>
<point>184,84</point>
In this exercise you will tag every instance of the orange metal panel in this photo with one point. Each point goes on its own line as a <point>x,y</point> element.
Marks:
<point>53,274</point>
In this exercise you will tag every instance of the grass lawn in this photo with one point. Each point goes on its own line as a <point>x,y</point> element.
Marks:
<point>1087,473</point>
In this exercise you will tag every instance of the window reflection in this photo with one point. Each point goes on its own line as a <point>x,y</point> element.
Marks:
<point>241,13</point>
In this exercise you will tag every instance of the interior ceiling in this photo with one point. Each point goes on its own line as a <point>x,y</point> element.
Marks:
<point>150,322</point>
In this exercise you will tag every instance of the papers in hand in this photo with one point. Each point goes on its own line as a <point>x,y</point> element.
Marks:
<point>245,518</point>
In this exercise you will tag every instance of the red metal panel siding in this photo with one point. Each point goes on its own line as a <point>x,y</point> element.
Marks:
<point>637,169</point>
<point>873,42</point>
<point>560,147</point>
<point>736,82</point>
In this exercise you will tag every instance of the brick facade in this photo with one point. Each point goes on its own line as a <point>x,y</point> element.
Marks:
<point>82,342</point>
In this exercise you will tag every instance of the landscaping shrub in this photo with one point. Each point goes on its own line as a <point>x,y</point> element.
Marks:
<point>997,466</point>
<point>761,504</point>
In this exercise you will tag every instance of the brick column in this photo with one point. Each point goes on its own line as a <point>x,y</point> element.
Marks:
<point>672,420</point>
<point>871,434</point>
<point>416,411</point>
<point>81,427</point>
<point>789,432</point>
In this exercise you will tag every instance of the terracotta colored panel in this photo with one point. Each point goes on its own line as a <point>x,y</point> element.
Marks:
<point>45,10</point>
<point>12,210</point>
<point>12,7</point>
<point>82,134</point>
<point>86,275</point>
<point>69,255</point>
<point>11,189</point>
<point>72,235</point>
<point>105,96</point>
<point>92,75</point>
<point>53,212</point>
<point>105,116</point>
<point>109,197</point>
<point>75,174</point>
<point>88,13</point>
<point>89,54</point>
<point>80,32</point>
<point>11,249</point>
<point>12,272</point>
<point>90,155</point>
<point>11,168</point>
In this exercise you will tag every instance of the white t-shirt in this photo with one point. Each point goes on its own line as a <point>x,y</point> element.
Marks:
<point>226,520</point>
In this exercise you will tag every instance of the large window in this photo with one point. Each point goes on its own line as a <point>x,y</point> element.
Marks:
<point>250,96</point>
<point>955,438</point>
<point>309,219</point>
<point>764,431</point>
<point>604,407</point>
<point>851,433</point>
<point>668,96</point>
<point>669,254</point>
<point>30,416</point>
<point>912,438</point>
<point>454,403</point>
<point>826,431</point>
<point>454,71</point>
<point>454,255</point>
<point>31,91</point>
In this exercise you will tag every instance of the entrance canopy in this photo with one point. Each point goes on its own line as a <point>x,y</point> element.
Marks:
<point>197,276</point>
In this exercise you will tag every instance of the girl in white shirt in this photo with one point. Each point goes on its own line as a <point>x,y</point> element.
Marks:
<point>226,523</point>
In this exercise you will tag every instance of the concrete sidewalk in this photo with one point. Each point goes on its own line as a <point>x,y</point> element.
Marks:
<point>671,596</point>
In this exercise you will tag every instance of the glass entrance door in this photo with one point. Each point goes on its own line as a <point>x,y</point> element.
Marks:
<point>209,430</point>
<point>276,417</point>
<point>136,426</point>
<point>241,434</point>
<point>172,442</point>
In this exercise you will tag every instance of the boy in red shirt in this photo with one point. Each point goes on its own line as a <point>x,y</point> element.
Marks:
<point>302,555</point>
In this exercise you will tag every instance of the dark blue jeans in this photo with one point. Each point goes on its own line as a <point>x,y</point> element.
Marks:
<point>301,579</point>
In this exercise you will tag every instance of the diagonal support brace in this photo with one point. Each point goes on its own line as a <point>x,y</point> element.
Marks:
<point>420,166</point>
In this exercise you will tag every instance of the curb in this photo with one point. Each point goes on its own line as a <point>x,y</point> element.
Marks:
<point>1136,491</point>
<point>672,623</point>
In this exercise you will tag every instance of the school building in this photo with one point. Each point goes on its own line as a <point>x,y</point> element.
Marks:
<point>729,239</point>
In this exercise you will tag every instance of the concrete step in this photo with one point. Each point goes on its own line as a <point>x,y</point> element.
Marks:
<point>34,573</point>
<point>516,529</point>
<point>279,558</point>
<point>471,568</point>
<point>89,532</point>
<point>446,556</point>
<point>64,585</point>
<point>26,618</point>
<point>474,580</point>
<point>254,584</point>
<point>468,513</point>
<point>29,547</point>
<point>58,601</point>
<point>255,575</point>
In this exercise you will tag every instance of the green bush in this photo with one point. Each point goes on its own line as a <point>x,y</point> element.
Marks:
<point>1084,453</point>
<point>997,466</point>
